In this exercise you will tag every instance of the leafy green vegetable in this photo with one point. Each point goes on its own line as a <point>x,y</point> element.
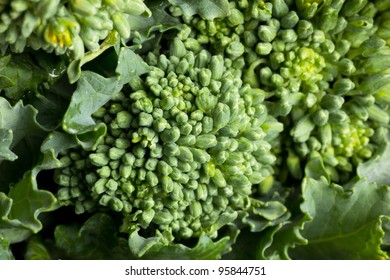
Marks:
<point>175,129</point>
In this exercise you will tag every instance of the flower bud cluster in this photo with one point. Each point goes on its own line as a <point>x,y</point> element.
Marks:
<point>323,66</point>
<point>183,150</point>
<point>70,26</point>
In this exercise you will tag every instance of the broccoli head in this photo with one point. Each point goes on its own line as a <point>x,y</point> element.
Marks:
<point>183,151</point>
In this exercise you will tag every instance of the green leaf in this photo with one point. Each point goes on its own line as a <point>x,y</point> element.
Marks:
<point>6,136</point>
<point>343,224</point>
<point>27,202</point>
<point>278,241</point>
<point>377,168</point>
<point>20,73</point>
<point>5,251</point>
<point>130,65</point>
<point>16,123</point>
<point>95,240</point>
<point>36,250</point>
<point>208,9</point>
<point>160,21</point>
<point>92,92</point>
<point>315,167</point>
<point>159,247</point>
<point>74,68</point>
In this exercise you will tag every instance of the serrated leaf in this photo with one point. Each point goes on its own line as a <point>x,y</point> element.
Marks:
<point>159,248</point>
<point>28,202</point>
<point>16,123</point>
<point>277,242</point>
<point>208,9</point>
<point>343,224</point>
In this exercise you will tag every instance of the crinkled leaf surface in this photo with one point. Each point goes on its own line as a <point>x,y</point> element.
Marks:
<point>276,243</point>
<point>208,9</point>
<point>157,248</point>
<point>28,202</point>
<point>96,239</point>
<point>343,224</point>
<point>16,123</point>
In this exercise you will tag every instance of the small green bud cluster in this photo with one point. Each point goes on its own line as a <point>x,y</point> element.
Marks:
<point>323,66</point>
<point>182,150</point>
<point>69,26</point>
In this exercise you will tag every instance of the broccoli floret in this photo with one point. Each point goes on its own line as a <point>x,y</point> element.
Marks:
<point>323,66</point>
<point>183,150</point>
<point>69,26</point>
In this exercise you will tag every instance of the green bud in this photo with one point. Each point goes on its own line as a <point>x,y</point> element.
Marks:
<point>205,101</point>
<point>290,20</point>
<point>195,209</point>
<point>338,117</point>
<point>343,86</point>
<point>64,194</point>
<point>145,119</point>
<point>151,179</point>
<point>294,165</point>
<point>267,33</point>
<point>204,77</point>
<point>321,117</point>
<point>216,67</point>
<point>128,159</point>
<point>302,130</point>
<point>332,102</point>
<point>201,59</point>
<point>99,159</point>
<point>112,185</point>
<point>206,141</point>
<point>121,24</point>
<point>288,35</point>
<point>116,153</point>
<point>45,9</point>
<point>378,115</point>
<point>353,7</point>
<point>235,18</point>
<point>304,29</point>
<point>104,172</point>
<point>116,204</point>
<point>328,18</point>
<point>235,49</point>
<point>170,135</point>
<point>263,48</point>
<point>346,66</point>
<point>162,217</point>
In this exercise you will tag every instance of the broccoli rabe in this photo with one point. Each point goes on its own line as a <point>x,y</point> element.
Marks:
<point>323,66</point>
<point>184,151</point>
<point>70,26</point>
